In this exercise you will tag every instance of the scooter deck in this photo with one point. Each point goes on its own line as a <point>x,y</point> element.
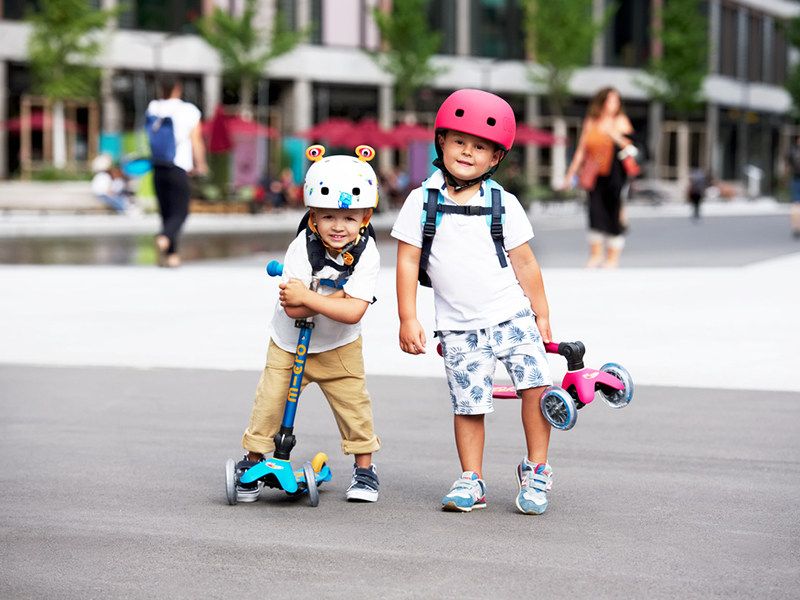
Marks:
<point>504,391</point>
<point>278,473</point>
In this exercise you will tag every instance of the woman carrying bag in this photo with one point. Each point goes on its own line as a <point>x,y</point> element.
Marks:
<point>604,157</point>
<point>176,144</point>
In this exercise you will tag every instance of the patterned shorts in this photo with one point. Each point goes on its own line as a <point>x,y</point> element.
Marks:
<point>470,359</point>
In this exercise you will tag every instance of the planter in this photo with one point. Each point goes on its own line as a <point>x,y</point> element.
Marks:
<point>219,208</point>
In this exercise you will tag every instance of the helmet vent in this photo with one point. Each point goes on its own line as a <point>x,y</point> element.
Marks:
<point>460,112</point>
<point>491,122</point>
<point>356,191</point>
<point>325,191</point>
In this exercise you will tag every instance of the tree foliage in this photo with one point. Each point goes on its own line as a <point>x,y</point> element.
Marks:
<point>560,36</point>
<point>791,31</point>
<point>244,49</point>
<point>64,40</point>
<point>411,44</point>
<point>677,77</point>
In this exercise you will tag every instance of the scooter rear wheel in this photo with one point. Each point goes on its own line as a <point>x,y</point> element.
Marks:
<point>311,482</point>
<point>230,481</point>
<point>617,398</point>
<point>558,408</point>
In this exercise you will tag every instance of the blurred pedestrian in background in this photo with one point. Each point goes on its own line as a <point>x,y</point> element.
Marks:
<point>603,175</point>
<point>793,162</point>
<point>110,186</point>
<point>176,144</point>
<point>698,183</point>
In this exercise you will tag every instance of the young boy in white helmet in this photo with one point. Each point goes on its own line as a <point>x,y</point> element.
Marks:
<point>467,238</point>
<point>336,248</point>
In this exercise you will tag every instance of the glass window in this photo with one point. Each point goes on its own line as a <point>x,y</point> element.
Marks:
<point>628,35</point>
<point>15,10</point>
<point>497,29</point>
<point>175,16</point>
<point>755,45</point>
<point>442,19</point>
<point>316,22</point>
<point>729,42</point>
<point>780,62</point>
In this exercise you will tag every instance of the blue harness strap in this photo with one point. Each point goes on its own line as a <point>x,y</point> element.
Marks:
<point>434,208</point>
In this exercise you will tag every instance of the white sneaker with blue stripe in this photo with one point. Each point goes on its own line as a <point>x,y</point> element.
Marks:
<point>534,482</point>
<point>467,493</point>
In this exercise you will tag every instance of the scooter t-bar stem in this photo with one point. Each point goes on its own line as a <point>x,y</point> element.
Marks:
<point>572,351</point>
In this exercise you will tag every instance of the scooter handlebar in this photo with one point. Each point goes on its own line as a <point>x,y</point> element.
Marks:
<point>274,269</point>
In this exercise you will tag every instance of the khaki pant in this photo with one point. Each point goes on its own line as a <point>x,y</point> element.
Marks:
<point>340,375</point>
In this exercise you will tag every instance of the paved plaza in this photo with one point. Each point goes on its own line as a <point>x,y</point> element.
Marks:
<point>124,389</point>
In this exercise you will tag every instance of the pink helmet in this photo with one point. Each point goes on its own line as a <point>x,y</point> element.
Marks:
<point>478,113</point>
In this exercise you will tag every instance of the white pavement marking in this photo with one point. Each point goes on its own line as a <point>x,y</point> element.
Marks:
<point>731,328</point>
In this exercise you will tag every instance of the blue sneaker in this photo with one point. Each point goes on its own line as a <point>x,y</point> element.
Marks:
<point>534,482</point>
<point>466,493</point>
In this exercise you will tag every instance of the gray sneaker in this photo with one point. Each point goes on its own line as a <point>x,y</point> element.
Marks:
<point>247,492</point>
<point>364,485</point>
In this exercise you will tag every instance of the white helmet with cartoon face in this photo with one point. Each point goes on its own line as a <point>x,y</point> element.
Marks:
<point>340,181</point>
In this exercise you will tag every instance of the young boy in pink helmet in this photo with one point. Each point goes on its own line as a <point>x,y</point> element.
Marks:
<point>464,236</point>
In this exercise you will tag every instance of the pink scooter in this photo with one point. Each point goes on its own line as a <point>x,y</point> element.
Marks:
<point>560,404</point>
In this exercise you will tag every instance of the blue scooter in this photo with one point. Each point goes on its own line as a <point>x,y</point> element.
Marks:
<point>276,472</point>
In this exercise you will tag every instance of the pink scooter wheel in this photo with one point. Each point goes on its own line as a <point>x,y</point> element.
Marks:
<point>558,408</point>
<point>617,398</point>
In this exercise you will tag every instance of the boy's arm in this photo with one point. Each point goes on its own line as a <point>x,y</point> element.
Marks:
<point>529,276</point>
<point>300,302</point>
<point>412,335</point>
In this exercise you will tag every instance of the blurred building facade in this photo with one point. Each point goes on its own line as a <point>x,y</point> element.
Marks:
<point>744,121</point>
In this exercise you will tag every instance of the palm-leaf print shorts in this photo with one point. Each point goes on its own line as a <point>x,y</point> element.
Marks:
<point>470,359</point>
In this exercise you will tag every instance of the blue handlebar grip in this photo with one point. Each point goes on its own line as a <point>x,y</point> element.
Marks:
<point>274,269</point>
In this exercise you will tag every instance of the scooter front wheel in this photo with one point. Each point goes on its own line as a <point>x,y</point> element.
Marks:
<point>230,481</point>
<point>311,482</point>
<point>617,398</point>
<point>558,408</point>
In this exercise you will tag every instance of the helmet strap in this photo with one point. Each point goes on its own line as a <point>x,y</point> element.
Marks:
<point>451,181</point>
<point>344,250</point>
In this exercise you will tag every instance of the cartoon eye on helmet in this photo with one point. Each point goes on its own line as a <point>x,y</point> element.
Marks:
<point>478,113</point>
<point>340,181</point>
<point>315,153</point>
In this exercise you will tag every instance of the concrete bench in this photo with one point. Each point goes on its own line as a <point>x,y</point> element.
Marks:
<point>58,196</point>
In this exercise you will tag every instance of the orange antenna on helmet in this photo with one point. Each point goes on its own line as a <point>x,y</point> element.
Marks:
<point>315,153</point>
<point>365,153</point>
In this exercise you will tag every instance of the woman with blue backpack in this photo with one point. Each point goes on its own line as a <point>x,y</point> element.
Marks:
<point>176,145</point>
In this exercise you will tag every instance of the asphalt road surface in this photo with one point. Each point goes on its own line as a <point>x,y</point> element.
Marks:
<point>112,477</point>
<point>113,488</point>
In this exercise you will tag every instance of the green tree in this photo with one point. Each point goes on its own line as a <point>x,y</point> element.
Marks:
<point>676,78</point>
<point>560,36</point>
<point>411,44</point>
<point>64,41</point>
<point>244,49</point>
<point>791,31</point>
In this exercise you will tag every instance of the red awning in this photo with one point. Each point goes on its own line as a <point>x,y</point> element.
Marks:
<point>39,121</point>
<point>528,134</point>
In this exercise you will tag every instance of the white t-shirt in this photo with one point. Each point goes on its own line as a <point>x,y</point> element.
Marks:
<point>104,185</point>
<point>101,184</point>
<point>185,116</point>
<point>471,289</point>
<point>327,333</point>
